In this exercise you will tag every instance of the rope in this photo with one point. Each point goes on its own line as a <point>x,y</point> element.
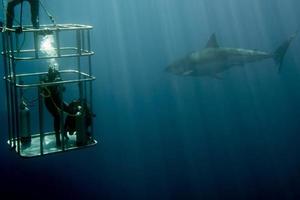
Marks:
<point>56,106</point>
<point>52,19</point>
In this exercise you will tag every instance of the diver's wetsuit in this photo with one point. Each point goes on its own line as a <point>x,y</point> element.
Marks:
<point>54,104</point>
<point>10,13</point>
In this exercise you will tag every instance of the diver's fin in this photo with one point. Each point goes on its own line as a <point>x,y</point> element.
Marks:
<point>280,52</point>
<point>212,42</point>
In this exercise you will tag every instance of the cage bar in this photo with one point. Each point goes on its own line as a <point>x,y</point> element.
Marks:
<point>25,88</point>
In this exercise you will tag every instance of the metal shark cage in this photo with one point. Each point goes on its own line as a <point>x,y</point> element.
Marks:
<point>30,126</point>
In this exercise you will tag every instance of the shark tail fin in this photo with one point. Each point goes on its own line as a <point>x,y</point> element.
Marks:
<point>280,52</point>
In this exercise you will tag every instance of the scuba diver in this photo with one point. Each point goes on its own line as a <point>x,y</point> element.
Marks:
<point>10,13</point>
<point>79,116</point>
<point>53,101</point>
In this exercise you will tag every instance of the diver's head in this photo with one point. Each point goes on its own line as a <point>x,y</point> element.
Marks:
<point>53,74</point>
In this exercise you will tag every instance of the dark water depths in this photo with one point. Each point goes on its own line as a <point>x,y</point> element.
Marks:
<point>167,137</point>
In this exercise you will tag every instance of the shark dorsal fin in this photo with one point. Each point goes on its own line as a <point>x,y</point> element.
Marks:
<point>212,42</point>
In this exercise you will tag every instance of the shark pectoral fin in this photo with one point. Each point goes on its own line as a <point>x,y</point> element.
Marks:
<point>187,73</point>
<point>217,76</point>
<point>212,42</point>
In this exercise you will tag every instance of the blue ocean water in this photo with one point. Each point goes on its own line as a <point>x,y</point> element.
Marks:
<point>169,137</point>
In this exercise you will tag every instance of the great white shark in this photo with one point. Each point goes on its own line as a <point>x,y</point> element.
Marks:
<point>213,59</point>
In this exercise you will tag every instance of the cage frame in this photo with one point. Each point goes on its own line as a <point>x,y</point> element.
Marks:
<point>15,87</point>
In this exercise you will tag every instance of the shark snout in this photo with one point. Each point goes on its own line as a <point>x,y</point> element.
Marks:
<point>173,70</point>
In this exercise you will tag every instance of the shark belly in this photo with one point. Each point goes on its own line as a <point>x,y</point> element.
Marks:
<point>211,69</point>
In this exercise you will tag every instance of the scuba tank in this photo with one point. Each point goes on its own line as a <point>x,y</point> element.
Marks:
<point>80,127</point>
<point>25,124</point>
<point>81,136</point>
